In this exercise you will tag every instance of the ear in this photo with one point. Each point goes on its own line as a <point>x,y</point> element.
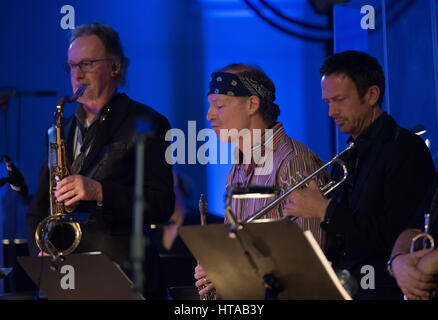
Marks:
<point>115,67</point>
<point>253,104</point>
<point>372,95</point>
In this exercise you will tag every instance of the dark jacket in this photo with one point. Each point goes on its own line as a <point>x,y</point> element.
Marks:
<point>111,161</point>
<point>389,172</point>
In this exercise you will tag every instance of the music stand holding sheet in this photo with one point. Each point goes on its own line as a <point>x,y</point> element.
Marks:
<point>96,277</point>
<point>280,251</point>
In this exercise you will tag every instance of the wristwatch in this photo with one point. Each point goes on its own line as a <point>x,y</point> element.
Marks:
<point>389,264</point>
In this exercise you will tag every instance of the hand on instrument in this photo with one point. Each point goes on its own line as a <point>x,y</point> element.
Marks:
<point>428,264</point>
<point>75,188</point>
<point>415,284</point>
<point>307,203</point>
<point>204,286</point>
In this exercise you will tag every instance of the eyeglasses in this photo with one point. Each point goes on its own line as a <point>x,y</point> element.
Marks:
<point>85,65</point>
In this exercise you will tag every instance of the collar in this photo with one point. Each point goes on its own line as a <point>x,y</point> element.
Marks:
<point>374,132</point>
<point>81,115</point>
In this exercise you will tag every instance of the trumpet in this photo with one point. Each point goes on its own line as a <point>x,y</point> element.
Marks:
<point>427,240</point>
<point>58,223</point>
<point>326,189</point>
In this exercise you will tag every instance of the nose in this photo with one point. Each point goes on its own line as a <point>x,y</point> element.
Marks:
<point>332,110</point>
<point>211,114</point>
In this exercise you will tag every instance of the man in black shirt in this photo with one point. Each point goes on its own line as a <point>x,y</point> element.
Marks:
<point>389,170</point>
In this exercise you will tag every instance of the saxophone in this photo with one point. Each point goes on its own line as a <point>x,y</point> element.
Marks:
<point>56,235</point>
<point>211,295</point>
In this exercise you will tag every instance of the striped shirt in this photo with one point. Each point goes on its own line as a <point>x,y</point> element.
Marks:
<point>290,160</point>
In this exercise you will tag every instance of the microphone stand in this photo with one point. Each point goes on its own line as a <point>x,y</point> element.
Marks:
<point>7,93</point>
<point>138,240</point>
<point>18,184</point>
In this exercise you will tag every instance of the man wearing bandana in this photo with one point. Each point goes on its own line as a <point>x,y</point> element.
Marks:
<point>241,101</point>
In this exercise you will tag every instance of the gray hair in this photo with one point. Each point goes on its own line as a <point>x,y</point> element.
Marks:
<point>111,41</point>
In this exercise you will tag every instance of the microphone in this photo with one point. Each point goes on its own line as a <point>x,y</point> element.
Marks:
<point>8,93</point>
<point>15,178</point>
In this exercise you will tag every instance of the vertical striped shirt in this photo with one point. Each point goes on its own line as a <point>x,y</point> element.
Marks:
<point>292,160</point>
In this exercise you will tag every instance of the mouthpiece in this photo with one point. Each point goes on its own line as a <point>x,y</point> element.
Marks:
<point>79,92</point>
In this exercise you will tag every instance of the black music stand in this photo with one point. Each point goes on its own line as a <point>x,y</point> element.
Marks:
<point>274,260</point>
<point>96,278</point>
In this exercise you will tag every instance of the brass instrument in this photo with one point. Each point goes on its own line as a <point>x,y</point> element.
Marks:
<point>203,213</point>
<point>427,240</point>
<point>58,222</point>
<point>303,182</point>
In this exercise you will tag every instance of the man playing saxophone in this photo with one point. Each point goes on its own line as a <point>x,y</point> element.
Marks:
<point>100,145</point>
